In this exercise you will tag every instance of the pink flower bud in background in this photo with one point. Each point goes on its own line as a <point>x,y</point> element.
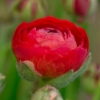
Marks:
<point>29,9</point>
<point>21,5</point>
<point>80,8</point>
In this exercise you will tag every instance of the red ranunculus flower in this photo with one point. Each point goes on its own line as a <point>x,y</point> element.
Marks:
<point>54,46</point>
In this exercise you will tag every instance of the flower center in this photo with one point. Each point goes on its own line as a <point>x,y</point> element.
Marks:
<point>54,38</point>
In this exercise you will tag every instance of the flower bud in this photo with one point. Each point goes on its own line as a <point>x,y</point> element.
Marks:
<point>47,93</point>
<point>54,47</point>
<point>29,9</point>
<point>91,77</point>
<point>80,8</point>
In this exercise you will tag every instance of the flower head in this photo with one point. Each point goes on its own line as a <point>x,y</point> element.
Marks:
<point>52,45</point>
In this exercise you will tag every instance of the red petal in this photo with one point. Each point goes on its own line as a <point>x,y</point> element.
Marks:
<point>60,65</point>
<point>29,53</point>
<point>85,38</point>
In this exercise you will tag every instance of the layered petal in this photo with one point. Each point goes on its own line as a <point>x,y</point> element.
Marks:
<point>55,64</point>
<point>54,46</point>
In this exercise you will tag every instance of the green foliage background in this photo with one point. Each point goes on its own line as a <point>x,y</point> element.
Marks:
<point>19,89</point>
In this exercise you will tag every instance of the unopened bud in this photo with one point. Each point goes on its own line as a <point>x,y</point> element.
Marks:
<point>29,9</point>
<point>47,93</point>
<point>80,8</point>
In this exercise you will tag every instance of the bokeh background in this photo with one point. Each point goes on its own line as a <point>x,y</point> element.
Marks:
<point>13,12</point>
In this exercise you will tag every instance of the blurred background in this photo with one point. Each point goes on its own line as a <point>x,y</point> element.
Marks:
<point>84,13</point>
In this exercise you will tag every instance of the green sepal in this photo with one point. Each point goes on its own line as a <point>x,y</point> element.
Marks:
<point>83,67</point>
<point>65,79</point>
<point>25,72</point>
<point>61,81</point>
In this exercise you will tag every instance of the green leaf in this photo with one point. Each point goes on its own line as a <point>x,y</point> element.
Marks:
<point>2,82</point>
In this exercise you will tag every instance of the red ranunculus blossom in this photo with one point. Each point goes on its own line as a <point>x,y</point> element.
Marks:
<point>54,46</point>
